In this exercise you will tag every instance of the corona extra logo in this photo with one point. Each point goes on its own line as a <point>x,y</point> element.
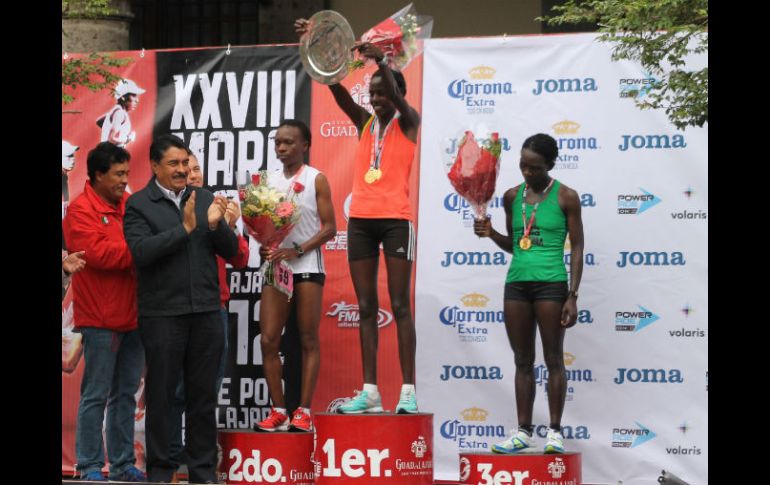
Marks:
<point>475,300</point>
<point>482,72</point>
<point>566,127</point>
<point>569,358</point>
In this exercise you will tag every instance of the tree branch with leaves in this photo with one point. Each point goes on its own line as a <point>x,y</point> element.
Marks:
<point>659,34</point>
<point>94,71</point>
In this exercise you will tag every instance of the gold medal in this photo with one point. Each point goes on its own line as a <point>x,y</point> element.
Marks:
<point>372,175</point>
<point>525,243</point>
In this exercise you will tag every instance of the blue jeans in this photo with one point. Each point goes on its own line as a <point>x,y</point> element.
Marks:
<point>177,407</point>
<point>114,362</point>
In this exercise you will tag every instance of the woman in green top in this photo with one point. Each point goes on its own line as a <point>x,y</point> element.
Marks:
<point>538,215</point>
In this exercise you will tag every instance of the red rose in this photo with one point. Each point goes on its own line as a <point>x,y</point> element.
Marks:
<point>255,179</point>
<point>298,187</point>
<point>242,194</point>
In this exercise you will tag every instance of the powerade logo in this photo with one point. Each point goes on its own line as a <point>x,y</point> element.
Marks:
<point>458,205</point>
<point>566,85</point>
<point>629,204</point>
<point>470,372</point>
<point>650,258</point>
<point>637,88</point>
<point>480,94</point>
<point>631,437</point>
<point>640,142</point>
<point>348,315</point>
<point>653,376</point>
<point>571,144</point>
<point>633,321</point>
<point>472,432</point>
<point>573,376</point>
<point>472,319</point>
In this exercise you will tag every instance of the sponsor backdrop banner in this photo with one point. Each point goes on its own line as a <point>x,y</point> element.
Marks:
<point>636,361</point>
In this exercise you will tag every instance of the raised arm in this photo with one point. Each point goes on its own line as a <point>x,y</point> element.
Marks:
<point>410,119</point>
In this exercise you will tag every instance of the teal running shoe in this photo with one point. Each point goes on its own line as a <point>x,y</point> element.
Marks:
<point>407,403</point>
<point>362,403</point>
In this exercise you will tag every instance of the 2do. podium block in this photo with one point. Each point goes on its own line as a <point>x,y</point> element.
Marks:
<point>249,457</point>
<point>393,449</point>
<point>520,469</point>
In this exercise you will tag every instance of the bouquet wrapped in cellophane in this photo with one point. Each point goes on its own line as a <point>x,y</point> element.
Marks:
<point>399,37</point>
<point>269,215</point>
<point>475,164</point>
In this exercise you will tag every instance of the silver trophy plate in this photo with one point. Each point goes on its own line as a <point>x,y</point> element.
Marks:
<point>325,47</point>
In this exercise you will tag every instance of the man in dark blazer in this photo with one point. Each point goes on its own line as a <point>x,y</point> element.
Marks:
<point>174,232</point>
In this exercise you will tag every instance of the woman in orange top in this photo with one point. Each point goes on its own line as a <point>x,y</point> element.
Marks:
<point>380,213</point>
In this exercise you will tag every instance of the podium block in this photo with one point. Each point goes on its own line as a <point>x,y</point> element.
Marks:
<point>249,457</point>
<point>520,469</point>
<point>393,449</point>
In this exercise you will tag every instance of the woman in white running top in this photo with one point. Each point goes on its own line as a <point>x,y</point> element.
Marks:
<point>302,250</point>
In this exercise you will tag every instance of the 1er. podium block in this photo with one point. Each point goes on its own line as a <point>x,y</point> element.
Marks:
<point>257,458</point>
<point>520,469</point>
<point>374,449</point>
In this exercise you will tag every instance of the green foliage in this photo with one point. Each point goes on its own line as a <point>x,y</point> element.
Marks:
<point>93,72</point>
<point>86,9</point>
<point>658,34</point>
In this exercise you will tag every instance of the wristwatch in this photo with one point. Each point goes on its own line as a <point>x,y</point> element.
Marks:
<point>299,250</point>
<point>572,293</point>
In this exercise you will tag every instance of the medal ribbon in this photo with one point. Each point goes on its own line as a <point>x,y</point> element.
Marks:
<point>379,143</point>
<point>528,227</point>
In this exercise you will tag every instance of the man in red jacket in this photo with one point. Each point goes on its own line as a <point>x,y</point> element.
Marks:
<point>105,313</point>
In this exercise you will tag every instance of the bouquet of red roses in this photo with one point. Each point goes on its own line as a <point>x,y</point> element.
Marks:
<point>269,216</point>
<point>398,37</point>
<point>474,171</point>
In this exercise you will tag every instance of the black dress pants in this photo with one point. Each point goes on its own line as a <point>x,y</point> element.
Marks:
<point>192,342</point>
